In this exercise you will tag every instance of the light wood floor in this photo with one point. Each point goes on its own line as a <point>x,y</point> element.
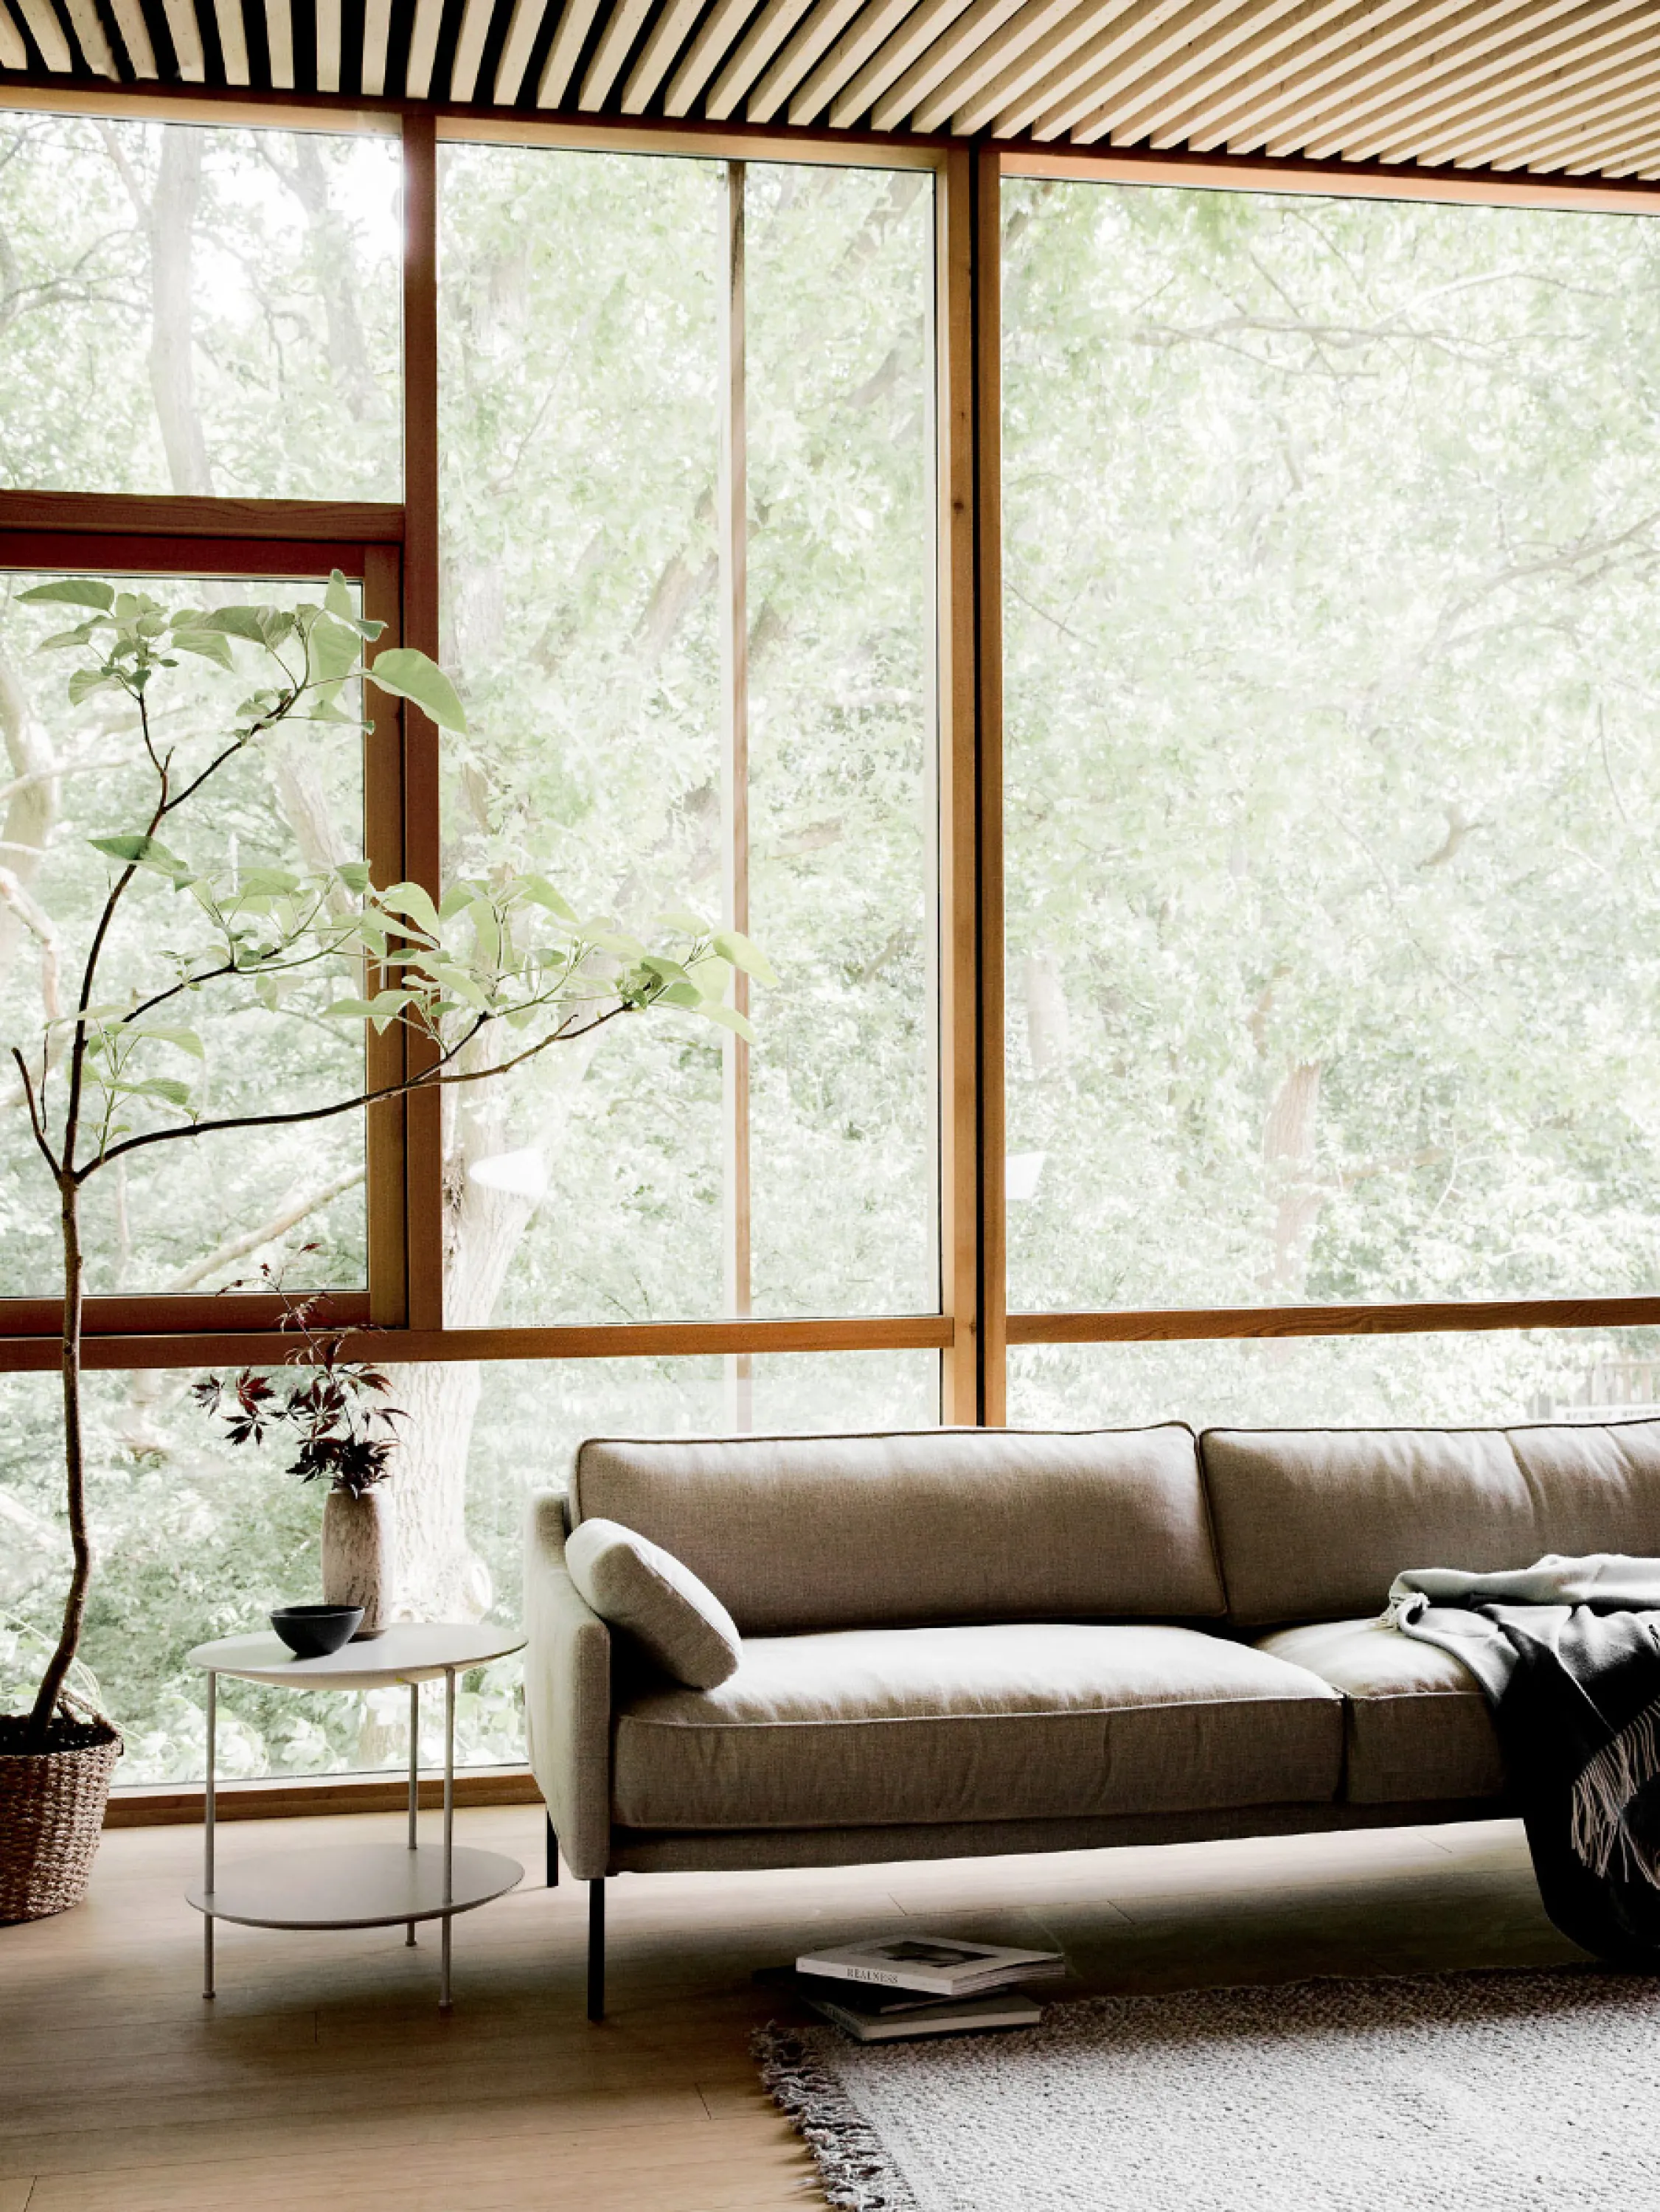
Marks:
<point>323,2071</point>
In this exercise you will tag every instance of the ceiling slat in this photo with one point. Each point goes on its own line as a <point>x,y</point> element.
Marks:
<point>1083,66</point>
<point>13,54</point>
<point>659,50</point>
<point>135,36</point>
<point>469,47</point>
<point>1252,40</point>
<point>186,34</point>
<point>1465,122</point>
<point>865,36</point>
<point>1464,74</point>
<point>1001,55</point>
<point>48,34</point>
<point>923,32</point>
<point>1311,70</point>
<point>972,31</point>
<point>377,32</point>
<point>1619,153</point>
<point>423,47</point>
<point>1386,72</point>
<point>1569,137</point>
<point>523,25</point>
<point>705,55</point>
<point>817,33</point>
<point>772,25</point>
<point>90,37</point>
<point>1030,63</point>
<point>1552,109</point>
<point>569,42</point>
<point>232,38</point>
<point>328,45</point>
<point>626,19</point>
<point>1130,69</point>
<point>279,41</point>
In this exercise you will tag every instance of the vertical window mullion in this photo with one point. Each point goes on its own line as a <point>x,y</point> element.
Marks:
<point>423,1140</point>
<point>733,501</point>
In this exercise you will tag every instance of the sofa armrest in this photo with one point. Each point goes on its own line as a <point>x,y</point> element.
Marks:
<point>567,1694</point>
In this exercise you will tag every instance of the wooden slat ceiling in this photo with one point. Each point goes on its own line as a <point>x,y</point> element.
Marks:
<point>1550,87</point>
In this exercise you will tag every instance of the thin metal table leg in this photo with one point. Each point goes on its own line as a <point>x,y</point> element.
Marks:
<point>208,1809</point>
<point>415,1757</point>
<point>449,1833</point>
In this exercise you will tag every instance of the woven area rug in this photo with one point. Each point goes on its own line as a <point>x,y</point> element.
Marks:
<point>1457,2092</point>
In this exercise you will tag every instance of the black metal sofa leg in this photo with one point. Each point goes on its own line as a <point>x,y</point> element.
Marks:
<point>596,1949</point>
<point>553,1855</point>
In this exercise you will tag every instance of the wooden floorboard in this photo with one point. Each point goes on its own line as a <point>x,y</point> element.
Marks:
<point>323,2071</point>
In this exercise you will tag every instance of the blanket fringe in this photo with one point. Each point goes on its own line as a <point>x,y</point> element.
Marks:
<point>855,2169</point>
<point>1626,1764</point>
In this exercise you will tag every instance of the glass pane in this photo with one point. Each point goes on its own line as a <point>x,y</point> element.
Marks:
<point>203,310</point>
<point>196,1215</point>
<point>1332,792</point>
<point>841,730</point>
<point>195,1542</point>
<point>580,405</point>
<point>1443,1380</point>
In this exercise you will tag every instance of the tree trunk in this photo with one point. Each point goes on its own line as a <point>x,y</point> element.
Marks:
<point>52,1682</point>
<point>1288,1156</point>
<point>171,224</point>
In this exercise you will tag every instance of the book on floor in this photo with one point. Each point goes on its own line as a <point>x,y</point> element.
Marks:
<point>936,1966</point>
<point>872,2015</point>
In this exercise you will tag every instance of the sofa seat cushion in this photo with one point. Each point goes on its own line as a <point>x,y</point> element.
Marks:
<point>1009,1722</point>
<point>1417,1726</point>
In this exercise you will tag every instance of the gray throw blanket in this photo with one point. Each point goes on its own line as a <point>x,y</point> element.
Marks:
<point>1568,1651</point>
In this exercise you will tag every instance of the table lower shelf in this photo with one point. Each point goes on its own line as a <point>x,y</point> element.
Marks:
<point>354,1885</point>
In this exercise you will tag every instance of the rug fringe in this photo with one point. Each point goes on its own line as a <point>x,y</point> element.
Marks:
<point>853,2163</point>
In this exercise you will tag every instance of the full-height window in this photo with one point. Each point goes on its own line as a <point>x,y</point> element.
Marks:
<point>1330,540</point>
<point>681,419</point>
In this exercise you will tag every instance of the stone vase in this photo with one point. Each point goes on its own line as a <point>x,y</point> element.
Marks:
<point>357,1557</point>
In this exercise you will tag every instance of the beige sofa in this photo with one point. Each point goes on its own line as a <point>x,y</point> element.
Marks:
<point>969,1641</point>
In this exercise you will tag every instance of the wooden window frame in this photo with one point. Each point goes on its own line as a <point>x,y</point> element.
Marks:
<point>1145,1325</point>
<point>394,549</point>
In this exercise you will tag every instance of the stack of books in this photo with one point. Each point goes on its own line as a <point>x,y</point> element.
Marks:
<point>903,1985</point>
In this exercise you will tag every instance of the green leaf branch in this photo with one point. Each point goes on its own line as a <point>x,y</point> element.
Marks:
<point>478,977</point>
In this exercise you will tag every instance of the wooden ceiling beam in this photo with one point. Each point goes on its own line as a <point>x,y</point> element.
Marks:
<point>919,54</point>
<point>1141,61</point>
<point>377,37</point>
<point>1379,31</point>
<point>817,33</point>
<point>325,53</point>
<point>13,54</point>
<point>1085,44</point>
<point>1006,52</point>
<point>1623,154</point>
<point>1553,106</point>
<point>1466,83</point>
<point>765,35</point>
<point>279,41</point>
<point>91,38</point>
<point>469,46</point>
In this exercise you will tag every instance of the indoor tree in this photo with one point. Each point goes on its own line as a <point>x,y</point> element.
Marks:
<point>120,1068</point>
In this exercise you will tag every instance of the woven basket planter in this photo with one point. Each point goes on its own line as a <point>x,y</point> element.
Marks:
<point>51,1813</point>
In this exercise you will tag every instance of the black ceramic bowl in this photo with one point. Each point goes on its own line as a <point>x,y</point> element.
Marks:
<point>312,1632</point>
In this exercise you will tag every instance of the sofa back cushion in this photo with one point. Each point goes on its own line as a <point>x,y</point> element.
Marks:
<point>944,1525</point>
<point>1315,1524</point>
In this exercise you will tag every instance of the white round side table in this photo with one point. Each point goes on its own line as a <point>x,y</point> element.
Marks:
<point>355,1885</point>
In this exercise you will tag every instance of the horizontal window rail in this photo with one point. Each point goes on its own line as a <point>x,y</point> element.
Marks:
<point>1153,1325</point>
